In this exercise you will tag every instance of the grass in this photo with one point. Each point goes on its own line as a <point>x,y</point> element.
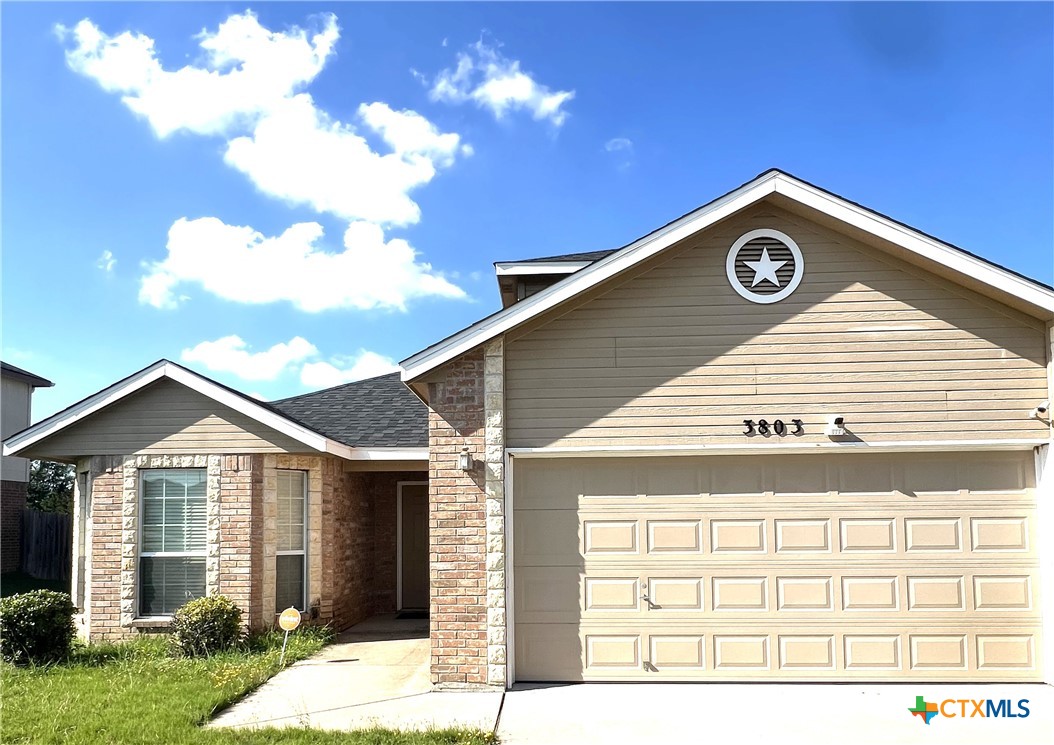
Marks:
<point>13,583</point>
<point>136,693</point>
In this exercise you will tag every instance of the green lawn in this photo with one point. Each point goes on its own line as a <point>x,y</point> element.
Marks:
<point>13,583</point>
<point>137,694</point>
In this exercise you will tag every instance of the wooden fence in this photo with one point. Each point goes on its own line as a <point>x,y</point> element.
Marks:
<point>47,543</point>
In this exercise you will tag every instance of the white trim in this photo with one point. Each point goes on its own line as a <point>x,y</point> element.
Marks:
<point>305,582</point>
<point>517,268</point>
<point>399,539</point>
<point>381,454</point>
<point>510,595</point>
<point>203,554</point>
<point>166,369</point>
<point>746,195</point>
<point>1045,546</point>
<point>631,451</point>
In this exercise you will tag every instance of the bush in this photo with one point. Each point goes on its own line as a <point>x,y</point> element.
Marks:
<point>36,627</point>
<point>207,625</point>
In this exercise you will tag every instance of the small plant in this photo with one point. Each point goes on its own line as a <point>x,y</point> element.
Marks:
<point>207,625</point>
<point>36,627</point>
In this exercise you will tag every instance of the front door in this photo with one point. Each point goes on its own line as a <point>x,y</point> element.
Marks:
<point>413,534</point>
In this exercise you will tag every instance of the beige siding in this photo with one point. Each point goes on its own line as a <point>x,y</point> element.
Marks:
<point>166,417</point>
<point>15,398</point>
<point>673,355</point>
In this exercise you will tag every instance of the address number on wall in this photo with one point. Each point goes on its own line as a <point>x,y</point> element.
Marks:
<point>777,427</point>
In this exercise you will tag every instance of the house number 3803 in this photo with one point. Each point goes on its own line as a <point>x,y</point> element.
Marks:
<point>779,427</point>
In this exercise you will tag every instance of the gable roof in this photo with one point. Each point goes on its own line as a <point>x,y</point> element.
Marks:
<point>260,411</point>
<point>768,183</point>
<point>378,412</point>
<point>10,371</point>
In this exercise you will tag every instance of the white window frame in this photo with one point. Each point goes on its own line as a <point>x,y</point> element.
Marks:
<point>299,552</point>
<point>203,554</point>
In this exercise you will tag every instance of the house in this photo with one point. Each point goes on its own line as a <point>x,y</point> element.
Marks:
<point>16,404</point>
<point>782,438</point>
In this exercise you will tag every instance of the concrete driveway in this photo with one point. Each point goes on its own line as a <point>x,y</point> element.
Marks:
<point>374,674</point>
<point>810,714</point>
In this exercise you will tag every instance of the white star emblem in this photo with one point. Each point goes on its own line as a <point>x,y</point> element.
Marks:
<point>765,269</point>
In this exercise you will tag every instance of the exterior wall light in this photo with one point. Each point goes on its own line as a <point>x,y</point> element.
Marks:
<point>464,459</point>
<point>835,426</point>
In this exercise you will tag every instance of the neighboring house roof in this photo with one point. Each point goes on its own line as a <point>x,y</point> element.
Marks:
<point>378,412</point>
<point>10,371</point>
<point>965,264</point>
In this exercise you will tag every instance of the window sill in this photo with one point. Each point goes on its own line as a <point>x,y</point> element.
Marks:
<point>151,622</point>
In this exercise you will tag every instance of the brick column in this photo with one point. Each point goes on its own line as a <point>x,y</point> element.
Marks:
<point>239,531</point>
<point>107,499</point>
<point>457,524</point>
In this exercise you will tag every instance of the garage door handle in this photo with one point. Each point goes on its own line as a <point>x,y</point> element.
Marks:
<point>647,600</point>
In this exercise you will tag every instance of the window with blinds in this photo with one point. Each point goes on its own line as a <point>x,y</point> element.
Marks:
<point>172,541</point>
<point>291,554</point>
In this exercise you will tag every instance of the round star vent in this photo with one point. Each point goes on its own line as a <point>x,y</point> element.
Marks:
<point>764,266</point>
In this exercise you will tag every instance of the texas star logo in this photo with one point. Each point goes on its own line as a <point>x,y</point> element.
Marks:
<point>764,266</point>
<point>924,709</point>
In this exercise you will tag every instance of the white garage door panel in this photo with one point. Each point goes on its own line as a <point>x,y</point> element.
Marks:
<point>730,651</point>
<point>615,583</point>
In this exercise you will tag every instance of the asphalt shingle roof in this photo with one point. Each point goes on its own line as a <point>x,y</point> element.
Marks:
<point>378,412</point>
<point>25,376</point>
<point>582,256</point>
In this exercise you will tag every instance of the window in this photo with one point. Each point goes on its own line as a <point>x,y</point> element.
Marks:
<point>291,558</point>
<point>172,542</point>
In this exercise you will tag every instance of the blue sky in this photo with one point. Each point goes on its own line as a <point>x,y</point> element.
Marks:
<point>287,196</point>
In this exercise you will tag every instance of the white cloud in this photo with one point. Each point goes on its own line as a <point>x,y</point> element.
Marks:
<point>364,365</point>
<point>618,143</point>
<point>231,354</point>
<point>297,153</point>
<point>240,264</point>
<point>494,82</point>
<point>247,70</point>
<point>248,87</point>
<point>106,261</point>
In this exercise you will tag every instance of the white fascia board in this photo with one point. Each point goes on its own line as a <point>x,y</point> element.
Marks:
<point>915,242</point>
<point>594,274</point>
<point>382,454</point>
<point>640,451</point>
<point>515,268</point>
<point>193,381</point>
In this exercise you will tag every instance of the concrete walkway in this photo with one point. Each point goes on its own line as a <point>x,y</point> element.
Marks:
<point>810,714</point>
<point>374,674</point>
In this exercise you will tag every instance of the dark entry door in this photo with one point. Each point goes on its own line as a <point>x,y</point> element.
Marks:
<point>414,536</point>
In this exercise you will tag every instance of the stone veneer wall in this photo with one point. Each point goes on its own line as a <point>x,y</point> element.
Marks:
<point>494,465</point>
<point>12,503</point>
<point>457,524</point>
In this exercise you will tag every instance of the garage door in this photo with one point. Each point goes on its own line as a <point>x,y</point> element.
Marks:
<point>838,567</point>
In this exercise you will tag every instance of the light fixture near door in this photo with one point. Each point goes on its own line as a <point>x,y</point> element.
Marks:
<point>764,266</point>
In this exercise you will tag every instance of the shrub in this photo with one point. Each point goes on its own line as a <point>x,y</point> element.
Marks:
<point>36,627</point>
<point>207,625</point>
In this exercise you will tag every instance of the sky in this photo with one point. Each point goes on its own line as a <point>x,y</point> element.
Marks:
<point>286,197</point>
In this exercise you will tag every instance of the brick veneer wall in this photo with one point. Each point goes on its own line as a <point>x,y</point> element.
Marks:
<point>12,503</point>
<point>107,499</point>
<point>457,524</point>
<point>352,537</point>
<point>241,531</point>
